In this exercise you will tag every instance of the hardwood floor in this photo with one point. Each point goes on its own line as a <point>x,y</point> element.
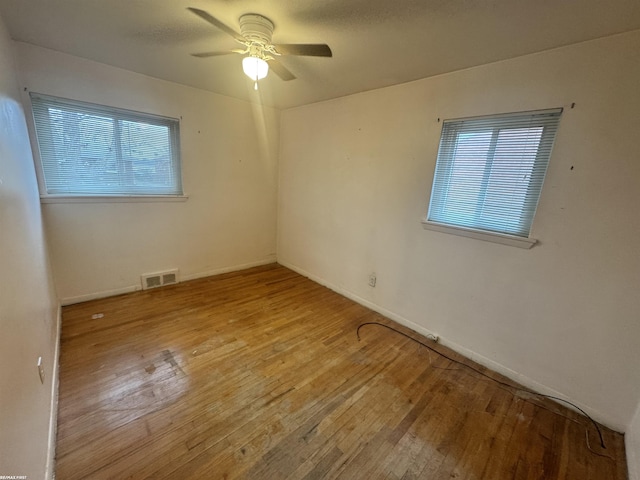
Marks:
<point>259,375</point>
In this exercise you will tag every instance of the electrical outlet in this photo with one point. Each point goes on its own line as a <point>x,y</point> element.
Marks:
<point>433,337</point>
<point>372,280</point>
<point>40,369</point>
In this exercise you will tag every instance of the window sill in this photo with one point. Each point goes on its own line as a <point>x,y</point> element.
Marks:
<point>112,198</point>
<point>504,239</point>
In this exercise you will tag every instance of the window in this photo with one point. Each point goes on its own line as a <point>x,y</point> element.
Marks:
<point>489,174</point>
<point>93,150</point>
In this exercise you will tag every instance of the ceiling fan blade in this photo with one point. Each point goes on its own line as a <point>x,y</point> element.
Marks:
<point>211,54</point>
<point>217,23</point>
<point>281,70</point>
<point>306,49</point>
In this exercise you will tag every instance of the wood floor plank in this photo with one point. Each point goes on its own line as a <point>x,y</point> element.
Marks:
<point>259,374</point>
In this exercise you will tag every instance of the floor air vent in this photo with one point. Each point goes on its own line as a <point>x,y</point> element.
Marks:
<point>159,279</point>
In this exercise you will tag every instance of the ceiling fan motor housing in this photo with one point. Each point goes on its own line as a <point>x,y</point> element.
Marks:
<point>256,28</point>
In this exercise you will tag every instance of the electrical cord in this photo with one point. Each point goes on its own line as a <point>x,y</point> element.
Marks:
<point>509,386</point>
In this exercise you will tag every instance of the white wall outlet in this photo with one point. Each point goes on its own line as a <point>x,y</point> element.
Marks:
<point>433,337</point>
<point>40,369</point>
<point>372,280</point>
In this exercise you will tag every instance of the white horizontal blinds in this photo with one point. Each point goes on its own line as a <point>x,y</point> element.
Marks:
<point>490,170</point>
<point>88,149</point>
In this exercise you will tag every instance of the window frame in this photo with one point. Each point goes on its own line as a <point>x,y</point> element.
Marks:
<point>533,191</point>
<point>117,114</point>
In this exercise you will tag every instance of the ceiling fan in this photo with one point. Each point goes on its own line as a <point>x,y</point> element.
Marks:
<point>255,37</point>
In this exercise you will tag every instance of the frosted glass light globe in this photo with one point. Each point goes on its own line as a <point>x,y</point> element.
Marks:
<point>255,68</point>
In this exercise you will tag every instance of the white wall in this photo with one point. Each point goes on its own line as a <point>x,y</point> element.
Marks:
<point>229,158</point>
<point>28,310</point>
<point>355,179</point>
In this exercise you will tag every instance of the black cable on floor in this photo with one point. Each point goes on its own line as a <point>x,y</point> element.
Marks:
<point>479,372</point>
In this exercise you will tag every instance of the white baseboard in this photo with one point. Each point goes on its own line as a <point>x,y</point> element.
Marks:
<point>476,357</point>
<point>632,462</point>
<point>632,447</point>
<point>233,268</point>
<point>183,278</point>
<point>53,412</point>
<point>103,294</point>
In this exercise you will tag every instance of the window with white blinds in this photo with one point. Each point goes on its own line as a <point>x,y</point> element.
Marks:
<point>94,150</point>
<point>489,171</point>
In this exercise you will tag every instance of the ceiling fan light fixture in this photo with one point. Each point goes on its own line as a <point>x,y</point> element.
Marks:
<point>255,36</point>
<point>255,68</point>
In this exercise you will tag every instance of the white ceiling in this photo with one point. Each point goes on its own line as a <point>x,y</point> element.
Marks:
<point>375,43</point>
